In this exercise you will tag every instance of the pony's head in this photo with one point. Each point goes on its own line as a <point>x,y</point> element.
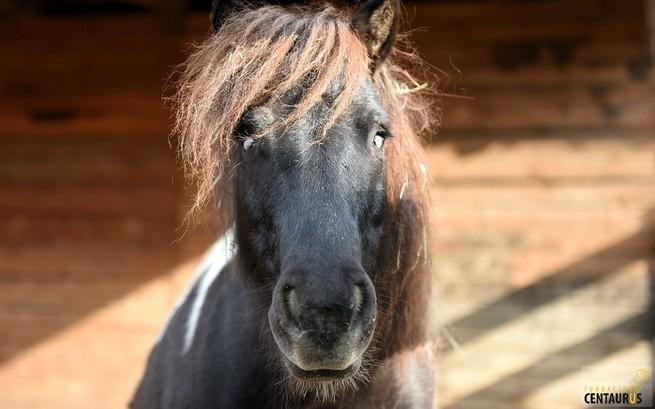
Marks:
<point>295,114</point>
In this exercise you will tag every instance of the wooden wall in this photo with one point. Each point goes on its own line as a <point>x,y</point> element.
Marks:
<point>542,181</point>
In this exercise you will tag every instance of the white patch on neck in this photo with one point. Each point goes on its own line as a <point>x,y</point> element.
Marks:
<point>215,259</point>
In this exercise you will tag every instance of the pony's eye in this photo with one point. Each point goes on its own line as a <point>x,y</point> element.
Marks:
<point>247,143</point>
<point>378,140</point>
<point>380,137</point>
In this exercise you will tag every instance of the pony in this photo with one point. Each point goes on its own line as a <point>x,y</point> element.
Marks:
<point>306,124</point>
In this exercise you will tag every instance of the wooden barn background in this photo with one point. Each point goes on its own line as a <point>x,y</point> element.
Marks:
<point>542,180</point>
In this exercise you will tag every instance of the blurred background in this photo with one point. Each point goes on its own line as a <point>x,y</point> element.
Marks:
<point>542,181</point>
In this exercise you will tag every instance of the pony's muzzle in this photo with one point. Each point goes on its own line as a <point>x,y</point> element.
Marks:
<point>323,323</point>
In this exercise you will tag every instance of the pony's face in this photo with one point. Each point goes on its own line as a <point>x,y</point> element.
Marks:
<point>310,196</point>
<point>309,220</point>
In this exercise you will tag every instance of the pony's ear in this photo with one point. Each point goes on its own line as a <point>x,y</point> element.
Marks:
<point>376,22</point>
<point>221,9</point>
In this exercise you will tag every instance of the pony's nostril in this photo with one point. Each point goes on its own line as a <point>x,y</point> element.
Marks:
<point>359,296</point>
<point>291,303</point>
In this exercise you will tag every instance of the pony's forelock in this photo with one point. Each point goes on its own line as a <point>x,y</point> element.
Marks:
<point>257,55</point>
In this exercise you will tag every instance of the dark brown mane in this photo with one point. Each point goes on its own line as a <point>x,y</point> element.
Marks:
<point>259,54</point>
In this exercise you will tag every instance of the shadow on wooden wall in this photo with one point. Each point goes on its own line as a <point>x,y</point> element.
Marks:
<point>638,327</point>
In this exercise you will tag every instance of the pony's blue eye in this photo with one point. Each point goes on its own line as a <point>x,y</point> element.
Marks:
<point>247,143</point>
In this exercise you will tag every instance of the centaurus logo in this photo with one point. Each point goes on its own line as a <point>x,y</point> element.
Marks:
<point>637,392</point>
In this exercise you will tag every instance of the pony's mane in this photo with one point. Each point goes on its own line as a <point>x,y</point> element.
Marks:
<point>261,53</point>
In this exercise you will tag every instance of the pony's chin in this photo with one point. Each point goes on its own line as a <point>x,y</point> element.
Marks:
<point>325,385</point>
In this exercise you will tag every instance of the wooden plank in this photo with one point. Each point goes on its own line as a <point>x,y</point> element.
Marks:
<point>44,163</point>
<point>509,14</point>
<point>101,116</point>
<point>26,232</point>
<point>84,264</point>
<point>623,157</point>
<point>568,107</point>
<point>103,200</point>
<point>533,10</point>
<point>485,77</point>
